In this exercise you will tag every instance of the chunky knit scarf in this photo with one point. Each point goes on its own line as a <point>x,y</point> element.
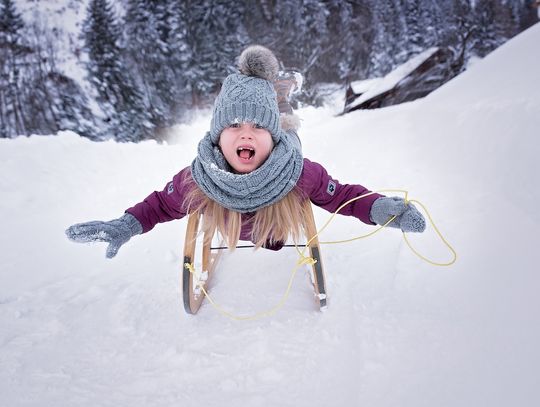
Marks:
<point>255,190</point>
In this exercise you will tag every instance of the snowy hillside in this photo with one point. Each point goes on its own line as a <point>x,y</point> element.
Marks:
<point>77,329</point>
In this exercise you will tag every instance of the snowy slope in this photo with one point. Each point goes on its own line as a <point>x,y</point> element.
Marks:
<point>77,329</point>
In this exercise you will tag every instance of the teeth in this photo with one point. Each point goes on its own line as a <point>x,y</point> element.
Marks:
<point>251,151</point>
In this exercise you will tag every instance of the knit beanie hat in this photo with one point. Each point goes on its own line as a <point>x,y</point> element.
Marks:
<point>249,96</point>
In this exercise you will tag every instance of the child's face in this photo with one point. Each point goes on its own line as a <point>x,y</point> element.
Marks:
<point>245,146</point>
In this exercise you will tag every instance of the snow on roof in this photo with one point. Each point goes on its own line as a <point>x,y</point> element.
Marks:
<point>360,87</point>
<point>393,78</point>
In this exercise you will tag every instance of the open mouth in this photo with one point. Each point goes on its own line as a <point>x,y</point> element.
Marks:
<point>245,153</point>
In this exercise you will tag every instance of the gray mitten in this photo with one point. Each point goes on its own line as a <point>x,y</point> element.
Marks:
<point>408,218</point>
<point>115,232</point>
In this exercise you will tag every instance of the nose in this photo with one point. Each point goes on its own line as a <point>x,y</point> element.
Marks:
<point>246,131</point>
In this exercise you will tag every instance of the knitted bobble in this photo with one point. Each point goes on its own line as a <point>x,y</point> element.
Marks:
<point>257,60</point>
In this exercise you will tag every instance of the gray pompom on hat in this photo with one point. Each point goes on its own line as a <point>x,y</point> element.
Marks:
<point>249,96</point>
<point>257,60</point>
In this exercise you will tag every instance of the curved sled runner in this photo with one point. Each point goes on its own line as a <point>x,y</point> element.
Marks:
<point>208,257</point>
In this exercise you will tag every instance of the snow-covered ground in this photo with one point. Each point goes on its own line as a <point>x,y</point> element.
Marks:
<point>79,330</point>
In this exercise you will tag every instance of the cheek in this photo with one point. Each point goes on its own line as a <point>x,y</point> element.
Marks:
<point>224,143</point>
<point>268,148</point>
<point>267,143</point>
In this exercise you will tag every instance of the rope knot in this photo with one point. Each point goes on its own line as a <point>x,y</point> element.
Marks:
<point>190,267</point>
<point>310,261</point>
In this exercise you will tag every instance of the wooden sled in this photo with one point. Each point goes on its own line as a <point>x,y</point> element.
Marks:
<point>208,257</point>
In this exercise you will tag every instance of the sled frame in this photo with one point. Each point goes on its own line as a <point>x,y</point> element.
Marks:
<point>193,298</point>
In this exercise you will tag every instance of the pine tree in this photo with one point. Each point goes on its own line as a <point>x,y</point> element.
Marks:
<point>71,106</point>
<point>526,14</point>
<point>298,32</point>
<point>484,36</point>
<point>12,62</point>
<point>313,26</point>
<point>173,20</point>
<point>415,30</point>
<point>346,39</point>
<point>127,116</point>
<point>389,45</point>
<point>460,29</point>
<point>506,25</point>
<point>11,24</point>
<point>214,35</point>
<point>144,50</point>
<point>423,24</point>
<point>438,17</point>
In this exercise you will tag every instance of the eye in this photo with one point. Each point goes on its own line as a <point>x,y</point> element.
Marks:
<point>235,125</point>
<point>258,126</point>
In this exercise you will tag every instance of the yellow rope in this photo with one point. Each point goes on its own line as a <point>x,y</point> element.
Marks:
<point>261,314</point>
<point>406,193</point>
<point>454,254</point>
<point>306,260</point>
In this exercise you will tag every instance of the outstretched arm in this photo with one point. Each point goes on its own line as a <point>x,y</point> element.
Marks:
<point>328,193</point>
<point>166,205</point>
<point>158,207</point>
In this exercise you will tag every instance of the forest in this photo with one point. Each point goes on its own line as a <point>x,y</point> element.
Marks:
<point>149,64</point>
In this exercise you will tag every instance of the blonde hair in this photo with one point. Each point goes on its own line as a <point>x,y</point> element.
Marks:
<point>271,224</point>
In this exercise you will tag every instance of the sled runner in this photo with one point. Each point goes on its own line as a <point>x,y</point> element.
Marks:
<point>198,249</point>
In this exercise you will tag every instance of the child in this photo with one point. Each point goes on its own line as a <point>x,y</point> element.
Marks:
<point>249,178</point>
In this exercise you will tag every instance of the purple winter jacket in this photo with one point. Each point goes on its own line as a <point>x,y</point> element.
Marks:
<point>314,183</point>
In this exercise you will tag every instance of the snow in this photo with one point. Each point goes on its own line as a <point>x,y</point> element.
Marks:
<point>392,79</point>
<point>360,87</point>
<point>78,329</point>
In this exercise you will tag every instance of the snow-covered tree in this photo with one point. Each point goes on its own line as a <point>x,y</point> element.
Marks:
<point>127,115</point>
<point>214,35</point>
<point>53,100</point>
<point>415,25</point>
<point>388,48</point>
<point>34,97</point>
<point>348,40</point>
<point>483,20</point>
<point>165,57</point>
<point>148,40</point>
<point>13,52</point>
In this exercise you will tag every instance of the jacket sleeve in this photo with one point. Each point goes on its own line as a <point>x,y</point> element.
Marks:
<point>328,193</point>
<point>166,205</point>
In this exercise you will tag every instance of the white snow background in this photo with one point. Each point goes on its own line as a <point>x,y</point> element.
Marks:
<point>77,329</point>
